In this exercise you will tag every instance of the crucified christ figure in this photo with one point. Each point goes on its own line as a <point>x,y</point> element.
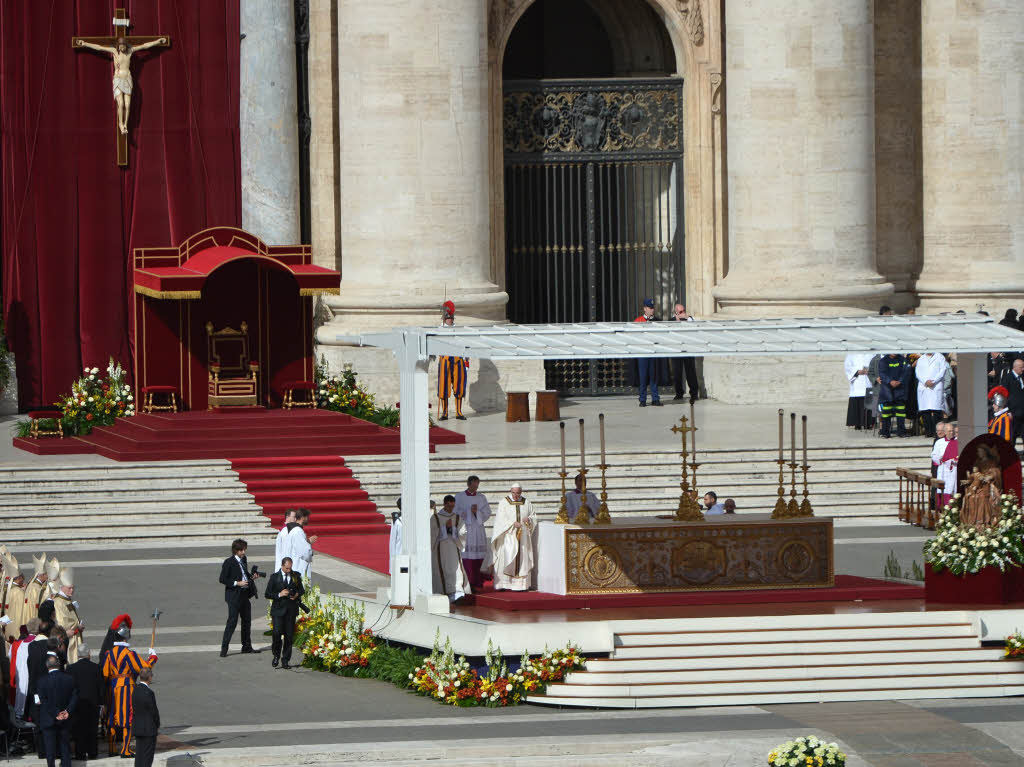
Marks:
<point>121,54</point>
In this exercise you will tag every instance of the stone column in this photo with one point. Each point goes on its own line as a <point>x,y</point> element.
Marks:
<point>414,178</point>
<point>269,133</point>
<point>801,141</point>
<point>973,130</point>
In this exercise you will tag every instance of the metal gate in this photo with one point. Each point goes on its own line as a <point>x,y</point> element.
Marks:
<point>593,209</point>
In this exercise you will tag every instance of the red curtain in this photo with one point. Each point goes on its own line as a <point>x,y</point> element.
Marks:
<point>70,215</point>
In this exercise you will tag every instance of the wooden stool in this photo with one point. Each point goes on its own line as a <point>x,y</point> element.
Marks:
<point>149,404</point>
<point>35,416</point>
<point>547,406</point>
<point>302,386</point>
<point>518,408</point>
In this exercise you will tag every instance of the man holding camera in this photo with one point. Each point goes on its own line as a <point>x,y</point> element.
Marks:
<point>285,588</point>
<point>238,590</point>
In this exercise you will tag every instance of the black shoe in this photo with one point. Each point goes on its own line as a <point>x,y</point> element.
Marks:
<point>656,403</point>
<point>249,651</point>
<point>285,665</point>
<point>460,418</point>
<point>678,396</point>
<point>443,418</point>
<point>223,653</point>
<point>643,404</point>
<point>275,661</point>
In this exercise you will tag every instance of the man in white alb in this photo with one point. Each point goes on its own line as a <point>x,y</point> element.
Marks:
<point>395,537</point>
<point>281,546</point>
<point>447,539</point>
<point>930,370</point>
<point>300,547</point>
<point>472,508</point>
<point>512,541</point>
<point>938,450</point>
<point>574,499</point>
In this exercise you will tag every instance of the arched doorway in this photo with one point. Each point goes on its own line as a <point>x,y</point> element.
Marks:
<point>593,156</point>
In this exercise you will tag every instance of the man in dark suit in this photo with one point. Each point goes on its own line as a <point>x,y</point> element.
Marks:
<point>285,588</point>
<point>88,678</point>
<point>36,661</point>
<point>1014,383</point>
<point>238,590</point>
<point>145,719</point>
<point>57,701</point>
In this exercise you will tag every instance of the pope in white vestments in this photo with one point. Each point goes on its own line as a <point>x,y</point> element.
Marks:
<point>447,540</point>
<point>512,542</point>
<point>472,508</point>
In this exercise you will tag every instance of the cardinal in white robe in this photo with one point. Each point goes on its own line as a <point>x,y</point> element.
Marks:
<point>947,471</point>
<point>574,500</point>
<point>930,370</point>
<point>282,547</point>
<point>512,542</point>
<point>938,450</point>
<point>447,540</point>
<point>472,508</point>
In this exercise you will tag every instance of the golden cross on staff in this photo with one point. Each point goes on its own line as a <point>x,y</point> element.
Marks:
<point>120,48</point>
<point>688,509</point>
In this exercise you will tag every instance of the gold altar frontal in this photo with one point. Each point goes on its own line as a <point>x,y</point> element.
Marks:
<point>751,551</point>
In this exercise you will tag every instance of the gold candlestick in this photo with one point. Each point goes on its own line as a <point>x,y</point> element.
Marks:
<point>583,513</point>
<point>805,505</point>
<point>792,508</point>
<point>562,517</point>
<point>688,509</point>
<point>603,517</point>
<point>780,504</point>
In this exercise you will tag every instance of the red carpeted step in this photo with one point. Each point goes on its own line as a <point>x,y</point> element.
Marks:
<point>320,506</point>
<point>338,528</point>
<point>309,496</point>
<point>308,483</point>
<point>326,472</point>
<point>367,550</point>
<point>271,463</point>
<point>324,517</point>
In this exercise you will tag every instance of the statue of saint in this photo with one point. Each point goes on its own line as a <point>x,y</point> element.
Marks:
<point>980,506</point>
<point>122,56</point>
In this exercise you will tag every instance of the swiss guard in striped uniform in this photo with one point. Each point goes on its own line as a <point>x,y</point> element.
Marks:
<point>1002,422</point>
<point>451,372</point>
<point>121,667</point>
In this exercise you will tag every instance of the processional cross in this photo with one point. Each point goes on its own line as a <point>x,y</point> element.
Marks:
<point>120,48</point>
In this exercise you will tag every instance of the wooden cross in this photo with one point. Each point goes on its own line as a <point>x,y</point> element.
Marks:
<point>122,77</point>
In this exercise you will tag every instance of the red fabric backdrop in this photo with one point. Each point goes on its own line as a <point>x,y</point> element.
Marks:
<point>70,216</point>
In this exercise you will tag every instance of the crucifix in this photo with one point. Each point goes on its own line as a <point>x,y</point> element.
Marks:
<point>120,48</point>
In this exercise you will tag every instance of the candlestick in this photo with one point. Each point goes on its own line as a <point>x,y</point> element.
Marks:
<point>780,433</point>
<point>562,517</point>
<point>804,418</point>
<point>583,454</point>
<point>792,438</point>
<point>600,420</point>
<point>561,431</point>
<point>603,516</point>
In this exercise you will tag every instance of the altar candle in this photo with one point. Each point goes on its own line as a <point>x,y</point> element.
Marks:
<point>583,455</point>
<point>561,431</point>
<point>600,419</point>
<point>805,438</point>
<point>693,432</point>
<point>780,433</point>
<point>792,435</point>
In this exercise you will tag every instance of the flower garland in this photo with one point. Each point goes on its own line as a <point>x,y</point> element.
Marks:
<point>1015,645</point>
<point>963,549</point>
<point>333,636</point>
<point>807,751</point>
<point>453,680</point>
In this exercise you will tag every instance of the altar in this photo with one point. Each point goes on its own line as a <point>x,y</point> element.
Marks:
<point>651,554</point>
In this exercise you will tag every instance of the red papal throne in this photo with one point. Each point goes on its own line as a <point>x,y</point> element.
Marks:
<point>232,371</point>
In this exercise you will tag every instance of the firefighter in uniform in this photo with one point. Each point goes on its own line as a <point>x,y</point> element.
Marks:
<point>452,372</point>
<point>893,376</point>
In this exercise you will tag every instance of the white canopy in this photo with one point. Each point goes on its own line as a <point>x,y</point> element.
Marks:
<point>971,336</point>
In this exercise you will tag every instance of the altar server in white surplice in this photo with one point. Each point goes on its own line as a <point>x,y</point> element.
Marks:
<point>512,541</point>
<point>282,548</point>
<point>473,509</point>
<point>395,538</point>
<point>300,547</point>
<point>447,540</point>
<point>856,367</point>
<point>930,371</point>
<point>574,499</point>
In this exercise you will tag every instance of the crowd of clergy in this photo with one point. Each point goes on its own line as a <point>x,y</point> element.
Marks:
<point>43,629</point>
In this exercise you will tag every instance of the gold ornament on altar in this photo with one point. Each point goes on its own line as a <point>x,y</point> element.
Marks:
<point>792,509</point>
<point>583,513</point>
<point>688,509</point>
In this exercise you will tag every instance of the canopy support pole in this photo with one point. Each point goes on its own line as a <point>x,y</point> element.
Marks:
<point>972,387</point>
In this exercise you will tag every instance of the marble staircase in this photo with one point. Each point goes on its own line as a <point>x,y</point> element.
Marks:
<point>757,660</point>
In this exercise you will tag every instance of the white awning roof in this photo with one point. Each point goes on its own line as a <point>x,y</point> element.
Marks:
<point>971,333</point>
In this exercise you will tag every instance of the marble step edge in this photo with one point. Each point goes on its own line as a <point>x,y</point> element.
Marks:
<point>743,662</point>
<point>757,698</point>
<point>757,648</point>
<point>892,620</point>
<point>115,467</point>
<point>190,514</point>
<point>166,481</point>
<point>709,640</point>
<point>170,493</point>
<point>168,504</point>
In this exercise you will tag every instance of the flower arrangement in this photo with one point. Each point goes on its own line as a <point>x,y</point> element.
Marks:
<point>95,400</point>
<point>343,394</point>
<point>1015,645</point>
<point>807,751</point>
<point>965,549</point>
<point>333,636</point>
<point>453,680</point>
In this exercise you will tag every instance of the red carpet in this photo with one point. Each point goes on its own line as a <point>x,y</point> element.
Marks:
<point>235,433</point>
<point>847,589</point>
<point>367,550</point>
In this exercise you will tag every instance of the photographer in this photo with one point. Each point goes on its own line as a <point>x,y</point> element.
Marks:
<point>285,588</point>
<point>238,590</point>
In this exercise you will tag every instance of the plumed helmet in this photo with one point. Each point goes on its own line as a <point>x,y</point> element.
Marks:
<point>38,564</point>
<point>122,624</point>
<point>448,310</point>
<point>999,397</point>
<point>53,570</point>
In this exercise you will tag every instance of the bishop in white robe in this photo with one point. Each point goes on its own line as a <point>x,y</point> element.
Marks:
<point>472,508</point>
<point>512,542</point>
<point>930,370</point>
<point>447,540</point>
